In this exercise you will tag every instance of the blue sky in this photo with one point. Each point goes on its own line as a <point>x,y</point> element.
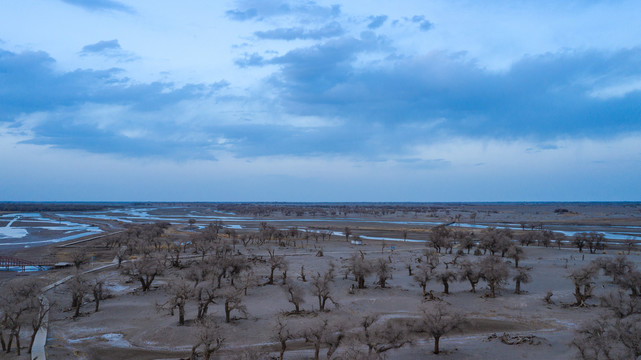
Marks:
<point>286,100</point>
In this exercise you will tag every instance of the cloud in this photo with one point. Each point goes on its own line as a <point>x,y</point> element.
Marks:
<point>101,5</point>
<point>102,46</point>
<point>376,21</point>
<point>424,24</point>
<point>242,15</point>
<point>94,110</point>
<point>332,29</point>
<point>415,100</point>
<point>108,48</point>
<point>250,60</point>
<point>259,9</point>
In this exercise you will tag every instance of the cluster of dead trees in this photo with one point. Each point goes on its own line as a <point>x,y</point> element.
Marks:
<point>21,305</point>
<point>615,336</point>
<point>298,210</point>
<point>369,336</point>
<point>492,269</point>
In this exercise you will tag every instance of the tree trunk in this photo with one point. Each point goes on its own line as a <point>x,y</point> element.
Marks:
<point>361,282</point>
<point>271,277</point>
<point>446,287</point>
<point>436,341</point>
<point>181,314</point>
<point>227,311</point>
<point>17,335</point>
<point>283,347</point>
<point>78,304</point>
<point>518,287</point>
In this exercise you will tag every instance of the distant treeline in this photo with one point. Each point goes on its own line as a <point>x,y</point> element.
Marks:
<point>39,207</point>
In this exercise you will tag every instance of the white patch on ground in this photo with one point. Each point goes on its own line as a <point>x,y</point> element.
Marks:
<point>112,339</point>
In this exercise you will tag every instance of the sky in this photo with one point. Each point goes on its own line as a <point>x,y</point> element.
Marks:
<point>287,100</point>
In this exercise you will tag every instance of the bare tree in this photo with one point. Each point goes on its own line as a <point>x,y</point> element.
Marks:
<point>521,276</point>
<point>322,332</point>
<point>145,270</point>
<point>209,338</point>
<point>18,298</point>
<point>321,288</point>
<point>282,334</point>
<point>516,253</point>
<point>360,267</point>
<point>79,287</point>
<point>383,271</point>
<point>38,318</point>
<point>79,257</point>
<point>97,289</point>
<point>445,276</point>
<point>583,278</point>
<point>621,304</point>
<point>347,231</point>
<point>275,262</point>
<point>179,291</point>
<point>233,300</point>
<point>382,336</point>
<point>437,321</point>
<point>467,241</point>
<point>580,240</point>
<point>471,272</point>
<point>616,267</point>
<point>494,271</point>
<point>609,339</point>
<point>295,295</point>
<point>431,259</point>
<point>423,276</point>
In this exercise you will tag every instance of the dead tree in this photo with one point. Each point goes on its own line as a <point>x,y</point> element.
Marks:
<point>494,271</point>
<point>471,272</point>
<point>98,292</point>
<point>445,276</point>
<point>295,295</point>
<point>423,276</point>
<point>383,271</point>
<point>38,318</point>
<point>321,332</point>
<point>515,252</point>
<point>179,291</point>
<point>521,276</point>
<point>321,288</point>
<point>18,299</point>
<point>360,267</point>
<point>583,278</point>
<point>233,300</point>
<point>209,338</point>
<point>282,334</point>
<point>275,262</point>
<point>78,288</point>
<point>437,321</point>
<point>382,336</point>
<point>144,270</point>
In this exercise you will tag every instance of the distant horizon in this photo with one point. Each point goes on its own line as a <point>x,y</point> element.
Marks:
<point>321,202</point>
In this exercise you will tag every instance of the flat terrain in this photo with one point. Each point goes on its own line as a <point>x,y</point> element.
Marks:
<point>133,324</point>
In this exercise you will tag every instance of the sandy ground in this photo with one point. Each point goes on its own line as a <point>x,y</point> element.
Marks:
<point>130,326</point>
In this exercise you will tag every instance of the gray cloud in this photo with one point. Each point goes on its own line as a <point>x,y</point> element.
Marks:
<point>108,48</point>
<point>101,46</point>
<point>377,21</point>
<point>332,29</point>
<point>64,102</point>
<point>101,5</point>
<point>420,99</point>
<point>259,9</point>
